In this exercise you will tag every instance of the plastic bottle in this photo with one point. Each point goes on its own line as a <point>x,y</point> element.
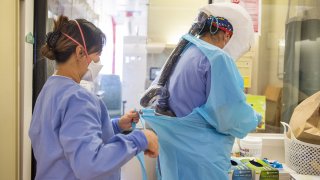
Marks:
<point>251,147</point>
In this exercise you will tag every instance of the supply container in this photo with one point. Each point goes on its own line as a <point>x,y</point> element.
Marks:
<point>262,170</point>
<point>251,147</point>
<point>302,157</point>
<point>239,171</point>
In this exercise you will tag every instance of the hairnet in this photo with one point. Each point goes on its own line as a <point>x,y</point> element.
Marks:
<point>221,23</point>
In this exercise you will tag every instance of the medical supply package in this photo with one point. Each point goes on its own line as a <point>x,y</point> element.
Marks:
<point>264,170</point>
<point>239,171</point>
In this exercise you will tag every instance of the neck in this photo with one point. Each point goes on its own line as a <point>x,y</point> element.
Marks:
<point>212,39</point>
<point>68,70</point>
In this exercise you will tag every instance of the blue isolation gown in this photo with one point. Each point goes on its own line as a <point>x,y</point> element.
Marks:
<point>73,137</point>
<point>198,145</point>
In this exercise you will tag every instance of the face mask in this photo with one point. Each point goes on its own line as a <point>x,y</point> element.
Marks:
<point>88,85</point>
<point>93,71</point>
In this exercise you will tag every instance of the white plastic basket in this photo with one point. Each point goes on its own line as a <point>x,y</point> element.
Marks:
<point>302,157</point>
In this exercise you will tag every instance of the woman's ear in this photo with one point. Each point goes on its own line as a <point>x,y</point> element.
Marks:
<point>79,52</point>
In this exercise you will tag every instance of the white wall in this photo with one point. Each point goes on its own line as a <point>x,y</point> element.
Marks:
<point>26,62</point>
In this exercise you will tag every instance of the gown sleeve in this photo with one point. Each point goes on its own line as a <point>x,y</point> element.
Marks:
<point>226,108</point>
<point>115,125</point>
<point>81,138</point>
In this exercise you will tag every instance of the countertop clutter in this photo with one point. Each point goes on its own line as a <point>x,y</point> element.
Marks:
<point>250,168</point>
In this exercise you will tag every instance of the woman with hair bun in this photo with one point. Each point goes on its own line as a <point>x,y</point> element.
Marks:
<point>71,133</point>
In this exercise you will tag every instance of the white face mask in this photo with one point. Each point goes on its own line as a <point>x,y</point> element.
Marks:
<point>93,71</point>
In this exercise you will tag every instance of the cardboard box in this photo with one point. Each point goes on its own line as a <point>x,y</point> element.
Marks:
<point>273,108</point>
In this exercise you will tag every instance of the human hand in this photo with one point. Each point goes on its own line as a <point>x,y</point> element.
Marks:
<point>260,124</point>
<point>153,146</point>
<point>126,120</point>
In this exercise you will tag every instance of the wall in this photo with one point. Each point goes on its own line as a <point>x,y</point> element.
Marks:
<point>168,19</point>
<point>26,64</point>
<point>9,91</point>
<point>255,62</point>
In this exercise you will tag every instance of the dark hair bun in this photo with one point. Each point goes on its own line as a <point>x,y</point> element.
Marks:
<point>52,38</point>
<point>49,49</point>
<point>48,52</point>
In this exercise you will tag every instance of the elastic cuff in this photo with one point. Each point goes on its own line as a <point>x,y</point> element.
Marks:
<point>139,139</point>
<point>115,125</point>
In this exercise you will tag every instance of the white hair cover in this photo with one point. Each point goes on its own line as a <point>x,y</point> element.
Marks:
<point>243,35</point>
